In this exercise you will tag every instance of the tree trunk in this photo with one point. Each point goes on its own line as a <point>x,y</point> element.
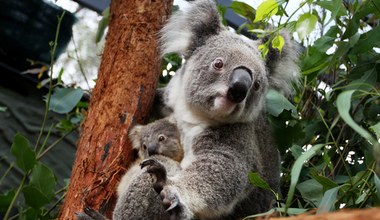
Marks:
<point>123,96</point>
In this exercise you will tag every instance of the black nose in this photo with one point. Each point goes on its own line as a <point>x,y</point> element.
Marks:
<point>152,149</point>
<point>239,84</point>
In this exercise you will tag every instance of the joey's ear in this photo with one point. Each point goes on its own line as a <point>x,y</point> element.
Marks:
<point>283,66</point>
<point>135,136</point>
<point>188,29</point>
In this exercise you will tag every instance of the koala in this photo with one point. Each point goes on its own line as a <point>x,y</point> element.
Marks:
<point>218,102</point>
<point>158,138</point>
<point>136,198</point>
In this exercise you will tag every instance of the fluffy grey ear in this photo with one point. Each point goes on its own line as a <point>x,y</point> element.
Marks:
<point>135,136</point>
<point>188,29</point>
<point>283,67</point>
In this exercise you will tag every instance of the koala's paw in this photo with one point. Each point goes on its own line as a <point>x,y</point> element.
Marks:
<point>90,214</point>
<point>155,168</point>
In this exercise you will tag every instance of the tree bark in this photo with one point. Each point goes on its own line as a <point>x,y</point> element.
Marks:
<point>123,96</point>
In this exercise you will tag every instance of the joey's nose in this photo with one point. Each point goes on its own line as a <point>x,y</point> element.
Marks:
<point>239,84</point>
<point>152,149</point>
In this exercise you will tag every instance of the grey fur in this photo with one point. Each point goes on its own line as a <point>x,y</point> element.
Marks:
<point>223,140</point>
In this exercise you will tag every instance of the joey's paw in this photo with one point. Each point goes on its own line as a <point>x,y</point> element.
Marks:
<point>155,168</point>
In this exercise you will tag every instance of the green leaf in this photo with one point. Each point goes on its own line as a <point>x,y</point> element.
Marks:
<point>296,151</point>
<point>65,99</point>
<point>305,24</point>
<point>377,184</point>
<point>102,25</point>
<point>366,81</point>
<point>243,9</point>
<point>367,41</point>
<point>296,170</point>
<point>276,103</point>
<point>6,199</point>
<point>325,182</point>
<point>278,42</point>
<point>3,108</point>
<point>343,103</point>
<point>266,9</point>
<point>336,7</point>
<point>376,128</point>
<point>43,179</point>
<point>257,181</point>
<point>34,197</point>
<point>25,156</point>
<point>311,190</point>
<point>292,211</point>
<point>328,201</point>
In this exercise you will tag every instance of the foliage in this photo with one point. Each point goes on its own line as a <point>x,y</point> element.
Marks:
<point>328,134</point>
<point>37,195</point>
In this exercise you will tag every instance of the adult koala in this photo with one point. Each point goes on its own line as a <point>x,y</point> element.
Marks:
<point>218,100</point>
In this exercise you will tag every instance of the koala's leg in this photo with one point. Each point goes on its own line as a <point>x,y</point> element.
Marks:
<point>90,214</point>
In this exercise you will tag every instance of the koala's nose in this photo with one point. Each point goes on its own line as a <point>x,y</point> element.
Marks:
<point>152,149</point>
<point>239,84</point>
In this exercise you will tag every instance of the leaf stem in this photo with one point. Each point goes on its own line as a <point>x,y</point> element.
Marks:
<point>16,195</point>
<point>53,48</point>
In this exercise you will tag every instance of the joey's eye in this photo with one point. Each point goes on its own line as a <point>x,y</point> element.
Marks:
<point>161,137</point>
<point>218,64</point>
<point>144,147</point>
<point>256,85</point>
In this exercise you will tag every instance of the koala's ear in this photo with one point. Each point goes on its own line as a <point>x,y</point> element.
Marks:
<point>135,136</point>
<point>188,29</point>
<point>283,66</point>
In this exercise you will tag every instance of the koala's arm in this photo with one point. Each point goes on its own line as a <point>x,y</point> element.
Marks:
<point>209,188</point>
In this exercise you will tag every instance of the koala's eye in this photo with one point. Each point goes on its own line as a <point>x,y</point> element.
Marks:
<point>161,137</point>
<point>144,147</point>
<point>256,85</point>
<point>218,64</point>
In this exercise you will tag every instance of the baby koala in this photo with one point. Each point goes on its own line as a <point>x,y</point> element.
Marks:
<point>137,199</point>
<point>157,138</point>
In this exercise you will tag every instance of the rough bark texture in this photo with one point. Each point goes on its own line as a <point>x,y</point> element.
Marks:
<point>122,96</point>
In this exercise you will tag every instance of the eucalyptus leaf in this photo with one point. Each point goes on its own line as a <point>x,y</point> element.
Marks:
<point>311,190</point>
<point>336,8</point>
<point>305,24</point>
<point>343,104</point>
<point>243,9</point>
<point>25,156</point>
<point>325,182</point>
<point>65,99</point>
<point>266,9</point>
<point>278,42</point>
<point>328,201</point>
<point>296,170</point>
<point>376,129</point>
<point>257,181</point>
<point>377,184</point>
<point>276,103</point>
<point>102,25</point>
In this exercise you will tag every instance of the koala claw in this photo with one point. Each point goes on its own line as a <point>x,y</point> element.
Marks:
<point>90,214</point>
<point>170,201</point>
<point>156,168</point>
